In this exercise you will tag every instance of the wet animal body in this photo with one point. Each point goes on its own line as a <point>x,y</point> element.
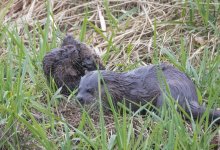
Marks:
<point>143,85</point>
<point>68,63</point>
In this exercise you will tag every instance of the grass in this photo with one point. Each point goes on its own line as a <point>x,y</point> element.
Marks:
<point>127,34</point>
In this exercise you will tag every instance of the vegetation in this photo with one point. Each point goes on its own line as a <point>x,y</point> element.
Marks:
<point>126,34</point>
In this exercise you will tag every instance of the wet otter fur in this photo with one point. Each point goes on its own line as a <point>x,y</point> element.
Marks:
<point>68,63</point>
<point>143,85</point>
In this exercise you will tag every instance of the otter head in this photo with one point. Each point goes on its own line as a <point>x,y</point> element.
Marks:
<point>71,47</point>
<point>88,88</point>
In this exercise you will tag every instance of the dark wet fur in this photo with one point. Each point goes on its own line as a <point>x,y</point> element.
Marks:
<point>69,63</point>
<point>144,85</point>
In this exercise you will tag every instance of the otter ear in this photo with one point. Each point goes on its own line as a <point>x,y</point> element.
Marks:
<point>86,71</point>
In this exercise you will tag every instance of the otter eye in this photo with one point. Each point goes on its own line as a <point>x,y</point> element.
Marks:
<point>89,90</point>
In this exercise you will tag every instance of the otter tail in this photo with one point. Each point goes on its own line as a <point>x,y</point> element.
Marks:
<point>197,111</point>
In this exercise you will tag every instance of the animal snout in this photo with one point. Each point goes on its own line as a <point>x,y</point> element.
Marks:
<point>80,99</point>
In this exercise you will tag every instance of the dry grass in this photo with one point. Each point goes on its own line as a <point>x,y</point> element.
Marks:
<point>137,30</point>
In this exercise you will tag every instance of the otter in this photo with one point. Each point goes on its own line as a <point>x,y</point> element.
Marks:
<point>68,63</point>
<point>143,85</point>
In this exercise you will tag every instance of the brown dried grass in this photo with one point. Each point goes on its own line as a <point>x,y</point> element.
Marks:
<point>137,30</point>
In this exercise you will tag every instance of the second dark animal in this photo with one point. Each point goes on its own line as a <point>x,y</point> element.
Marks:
<point>68,63</point>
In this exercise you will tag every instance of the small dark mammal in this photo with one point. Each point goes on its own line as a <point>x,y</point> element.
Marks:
<point>69,63</point>
<point>144,85</point>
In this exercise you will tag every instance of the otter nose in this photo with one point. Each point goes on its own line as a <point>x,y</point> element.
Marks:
<point>80,99</point>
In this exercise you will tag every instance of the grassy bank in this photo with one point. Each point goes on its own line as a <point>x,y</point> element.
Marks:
<point>126,34</point>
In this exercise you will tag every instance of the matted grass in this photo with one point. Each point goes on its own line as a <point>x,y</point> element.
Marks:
<point>126,34</point>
